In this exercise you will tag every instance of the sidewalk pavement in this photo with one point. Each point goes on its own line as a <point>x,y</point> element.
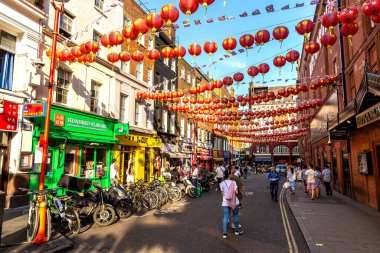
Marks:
<point>13,236</point>
<point>335,224</point>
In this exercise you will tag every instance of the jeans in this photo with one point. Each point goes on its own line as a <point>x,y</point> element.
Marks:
<point>219,181</point>
<point>245,173</point>
<point>328,188</point>
<point>195,182</point>
<point>292,186</point>
<point>274,190</point>
<point>235,216</point>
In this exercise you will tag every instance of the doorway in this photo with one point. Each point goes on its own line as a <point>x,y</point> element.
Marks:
<point>3,167</point>
<point>346,174</point>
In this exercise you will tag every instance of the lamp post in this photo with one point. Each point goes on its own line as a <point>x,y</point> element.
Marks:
<point>44,139</point>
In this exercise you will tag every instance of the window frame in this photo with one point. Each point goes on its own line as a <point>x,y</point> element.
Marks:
<point>137,112</point>
<point>61,88</point>
<point>99,4</point>
<point>63,28</point>
<point>93,108</point>
<point>124,98</point>
<point>139,71</point>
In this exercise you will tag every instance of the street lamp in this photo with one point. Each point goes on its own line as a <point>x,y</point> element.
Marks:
<point>44,139</point>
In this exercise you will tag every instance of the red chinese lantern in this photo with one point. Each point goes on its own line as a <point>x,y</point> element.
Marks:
<point>193,90</point>
<point>348,30</point>
<point>167,52</point>
<point>247,40</point>
<point>84,49</point>
<point>124,56</point>
<point>64,55</point>
<point>218,84</point>
<point>92,46</point>
<point>262,37</point>
<point>280,33</point>
<point>188,7</point>
<point>263,68</point>
<point>185,100</point>
<point>137,56</point>
<point>115,38</point>
<point>90,58</point>
<point>328,40</point>
<point>210,47</point>
<point>205,4</point>
<point>279,62</point>
<point>292,56</point>
<point>48,52</point>
<point>169,13</point>
<point>305,27</point>
<point>154,21</point>
<point>195,49</point>
<point>229,44</point>
<point>375,18</point>
<point>105,41</point>
<point>154,55</point>
<point>228,81</point>
<point>113,57</point>
<point>371,7</point>
<point>349,14</point>
<point>238,77</point>
<point>253,71</point>
<point>330,20</point>
<point>312,47</point>
<point>140,26</point>
<point>129,33</point>
<point>179,52</point>
<point>75,51</point>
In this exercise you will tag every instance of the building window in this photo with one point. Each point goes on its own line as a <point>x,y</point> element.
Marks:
<point>166,61</point>
<point>126,21</point>
<point>164,120</point>
<point>123,108</point>
<point>188,78</point>
<point>96,37</point>
<point>166,84</point>
<point>199,134</point>
<point>66,25</point>
<point>139,71</point>
<point>183,74</point>
<point>62,88</point>
<point>94,107</point>
<point>182,127</point>
<point>188,130</point>
<point>99,4</point>
<point>173,65</point>
<point>263,149</point>
<point>150,42</point>
<point>193,81</point>
<point>172,123</point>
<point>150,77</point>
<point>137,112</point>
<point>141,40</point>
<point>126,66</point>
<point>7,49</point>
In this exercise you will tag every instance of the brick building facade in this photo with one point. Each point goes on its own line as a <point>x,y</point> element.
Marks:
<point>344,133</point>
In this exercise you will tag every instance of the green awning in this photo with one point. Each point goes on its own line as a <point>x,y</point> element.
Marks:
<point>83,138</point>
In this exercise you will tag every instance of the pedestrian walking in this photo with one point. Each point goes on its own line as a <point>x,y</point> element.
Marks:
<point>303,176</point>
<point>219,174</point>
<point>245,172</point>
<point>130,174</point>
<point>291,176</point>
<point>114,172</point>
<point>273,178</point>
<point>241,188</point>
<point>326,176</point>
<point>298,172</point>
<point>229,190</point>
<point>311,181</point>
<point>318,179</point>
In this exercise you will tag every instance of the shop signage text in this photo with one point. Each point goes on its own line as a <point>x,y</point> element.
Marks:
<point>8,116</point>
<point>34,110</point>
<point>62,121</point>
<point>368,116</point>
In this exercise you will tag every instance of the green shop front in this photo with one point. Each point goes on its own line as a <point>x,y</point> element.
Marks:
<point>80,145</point>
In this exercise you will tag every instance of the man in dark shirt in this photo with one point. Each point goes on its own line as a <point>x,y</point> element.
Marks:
<point>273,178</point>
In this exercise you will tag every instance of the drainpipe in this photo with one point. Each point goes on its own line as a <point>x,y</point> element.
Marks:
<point>342,62</point>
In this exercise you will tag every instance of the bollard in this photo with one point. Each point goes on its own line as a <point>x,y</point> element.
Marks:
<point>2,206</point>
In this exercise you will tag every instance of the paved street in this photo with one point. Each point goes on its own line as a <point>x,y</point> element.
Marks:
<point>194,225</point>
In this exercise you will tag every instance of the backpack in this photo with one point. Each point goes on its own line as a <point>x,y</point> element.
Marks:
<point>231,196</point>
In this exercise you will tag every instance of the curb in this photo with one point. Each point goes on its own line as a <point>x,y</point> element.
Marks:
<point>306,234</point>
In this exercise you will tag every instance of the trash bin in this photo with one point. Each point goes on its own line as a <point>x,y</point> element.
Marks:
<point>2,205</point>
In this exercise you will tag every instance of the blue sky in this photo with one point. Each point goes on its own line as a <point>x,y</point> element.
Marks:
<point>218,31</point>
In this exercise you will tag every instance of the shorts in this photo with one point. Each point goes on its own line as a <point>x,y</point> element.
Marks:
<point>311,186</point>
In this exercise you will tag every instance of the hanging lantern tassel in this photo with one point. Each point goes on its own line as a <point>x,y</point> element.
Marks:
<point>306,37</point>
<point>330,49</point>
<point>350,39</point>
<point>246,52</point>
<point>259,48</point>
<point>263,77</point>
<point>292,65</point>
<point>224,3</point>
<point>279,71</point>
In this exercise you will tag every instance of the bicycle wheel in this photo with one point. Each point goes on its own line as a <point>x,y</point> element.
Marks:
<point>175,194</point>
<point>192,191</point>
<point>104,215</point>
<point>33,220</point>
<point>123,209</point>
<point>150,200</point>
<point>74,220</point>
<point>163,194</point>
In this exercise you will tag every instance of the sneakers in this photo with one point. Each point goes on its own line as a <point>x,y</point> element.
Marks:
<point>233,226</point>
<point>239,232</point>
<point>224,236</point>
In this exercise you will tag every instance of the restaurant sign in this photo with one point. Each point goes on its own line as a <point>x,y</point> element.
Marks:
<point>370,115</point>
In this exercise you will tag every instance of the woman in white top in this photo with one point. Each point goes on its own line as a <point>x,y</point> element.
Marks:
<point>226,208</point>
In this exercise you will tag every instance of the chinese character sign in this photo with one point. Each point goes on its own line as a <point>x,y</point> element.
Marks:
<point>8,116</point>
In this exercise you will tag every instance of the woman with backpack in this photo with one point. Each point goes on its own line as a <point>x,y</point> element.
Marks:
<point>230,202</point>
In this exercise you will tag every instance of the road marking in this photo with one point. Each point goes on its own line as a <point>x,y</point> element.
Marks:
<point>288,230</point>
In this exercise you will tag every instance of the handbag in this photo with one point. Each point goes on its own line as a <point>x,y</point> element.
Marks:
<point>286,185</point>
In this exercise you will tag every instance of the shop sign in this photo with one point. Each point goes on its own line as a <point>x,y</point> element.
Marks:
<point>34,110</point>
<point>141,140</point>
<point>8,116</point>
<point>186,148</point>
<point>122,129</point>
<point>79,122</point>
<point>155,142</point>
<point>368,116</point>
<point>226,155</point>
